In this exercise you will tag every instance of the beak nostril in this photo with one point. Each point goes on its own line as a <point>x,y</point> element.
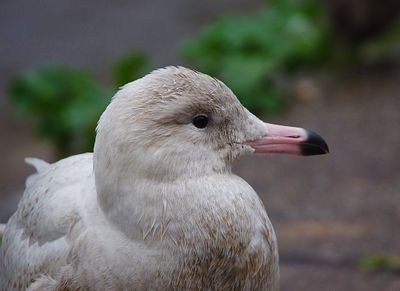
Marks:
<point>294,136</point>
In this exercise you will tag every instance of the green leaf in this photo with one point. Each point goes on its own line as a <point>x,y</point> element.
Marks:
<point>129,68</point>
<point>377,262</point>
<point>246,51</point>
<point>63,103</point>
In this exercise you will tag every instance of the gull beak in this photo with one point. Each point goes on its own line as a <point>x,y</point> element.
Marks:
<point>289,140</point>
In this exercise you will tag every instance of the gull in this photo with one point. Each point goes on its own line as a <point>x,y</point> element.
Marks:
<point>156,205</point>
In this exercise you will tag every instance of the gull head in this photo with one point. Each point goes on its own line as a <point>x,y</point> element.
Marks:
<point>175,122</point>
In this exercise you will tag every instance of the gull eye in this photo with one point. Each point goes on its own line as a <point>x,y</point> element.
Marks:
<point>200,121</point>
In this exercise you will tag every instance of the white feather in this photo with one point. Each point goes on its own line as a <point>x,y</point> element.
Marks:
<point>155,207</point>
<point>39,165</point>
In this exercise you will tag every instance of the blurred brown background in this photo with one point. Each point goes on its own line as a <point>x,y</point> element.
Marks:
<point>337,217</point>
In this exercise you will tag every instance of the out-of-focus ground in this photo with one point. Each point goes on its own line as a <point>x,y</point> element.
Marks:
<point>328,211</point>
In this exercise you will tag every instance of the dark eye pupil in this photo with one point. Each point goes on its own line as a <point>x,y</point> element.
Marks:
<point>200,121</point>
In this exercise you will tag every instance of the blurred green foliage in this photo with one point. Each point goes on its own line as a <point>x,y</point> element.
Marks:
<point>380,46</point>
<point>251,53</point>
<point>65,104</point>
<point>248,52</point>
<point>376,262</point>
<point>130,67</point>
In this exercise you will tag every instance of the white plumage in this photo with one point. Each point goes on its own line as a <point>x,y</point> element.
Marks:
<point>155,207</point>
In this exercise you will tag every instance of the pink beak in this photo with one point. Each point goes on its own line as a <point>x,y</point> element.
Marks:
<point>289,140</point>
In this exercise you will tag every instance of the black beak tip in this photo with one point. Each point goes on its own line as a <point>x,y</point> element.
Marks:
<point>314,145</point>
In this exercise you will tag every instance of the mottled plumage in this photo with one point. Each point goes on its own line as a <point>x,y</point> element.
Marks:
<point>155,207</point>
